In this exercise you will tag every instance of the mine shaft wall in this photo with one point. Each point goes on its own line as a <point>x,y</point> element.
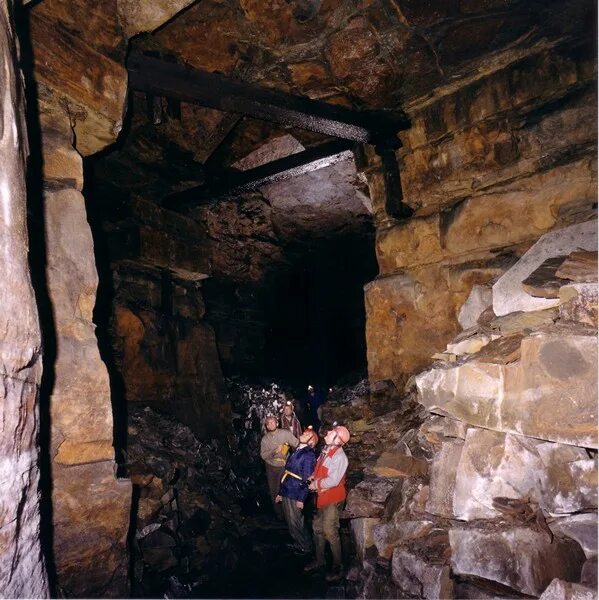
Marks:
<point>489,165</point>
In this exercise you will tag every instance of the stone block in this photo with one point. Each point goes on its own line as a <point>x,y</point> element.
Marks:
<point>578,304</point>
<point>566,590</point>
<point>137,16</point>
<point>582,528</point>
<point>395,463</point>
<point>419,577</point>
<point>362,535</point>
<point>367,499</point>
<point>471,344</point>
<point>551,393</point>
<point>480,298</point>
<point>443,478</point>
<point>508,295</point>
<point>497,465</point>
<point>589,573</point>
<point>520,558</point>
<point>580,267</point>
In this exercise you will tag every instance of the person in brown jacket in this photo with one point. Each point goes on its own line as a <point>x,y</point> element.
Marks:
<point>274,447</point>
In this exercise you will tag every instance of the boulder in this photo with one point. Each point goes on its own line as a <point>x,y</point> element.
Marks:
<point>520,558</point>
<point>367,498</point>
<point>362,535</point>
<point>395,463</point>
<point>565,590</point>
<point>508,294</point>
<point>589,572</point>
<point>480,298</point>
<point>443,478</point>
<point>419,577</point>
<point>582,528</point>
<point>551,393</point>
<point>389,535</point>
<point>578,303</point>
<point>557,477</point>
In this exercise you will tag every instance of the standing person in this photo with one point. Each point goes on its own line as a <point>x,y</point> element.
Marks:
<point>314,402</point>
<point>289,420</point>
<point>274,446</point>
<point>329,484</point>
<point>294,488</point>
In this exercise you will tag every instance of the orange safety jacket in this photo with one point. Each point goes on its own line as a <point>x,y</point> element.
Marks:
<point>329,495</point>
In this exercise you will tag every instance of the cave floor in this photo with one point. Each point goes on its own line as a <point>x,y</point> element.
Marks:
<point>268,568</point>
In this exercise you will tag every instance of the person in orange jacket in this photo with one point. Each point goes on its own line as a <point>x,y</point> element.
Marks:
<point>328,482</point>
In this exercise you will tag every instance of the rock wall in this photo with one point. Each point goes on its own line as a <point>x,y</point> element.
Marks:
<point>489,164</point>
<point>81,89</point>
<point>22,569</point>
<point>486,485</point>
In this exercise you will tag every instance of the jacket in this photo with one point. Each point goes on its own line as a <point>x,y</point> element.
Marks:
<point>300,463</point>
<point>292,423</point>
<point>329,476</point>
<point>270,443</point>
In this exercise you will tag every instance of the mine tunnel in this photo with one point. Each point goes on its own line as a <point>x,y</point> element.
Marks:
<point>376,217</point>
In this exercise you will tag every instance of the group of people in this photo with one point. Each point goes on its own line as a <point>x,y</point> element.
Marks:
<point>293,472</point>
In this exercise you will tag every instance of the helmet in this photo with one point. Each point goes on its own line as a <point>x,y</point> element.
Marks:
<point>342,433</point>
<point>314,436</point>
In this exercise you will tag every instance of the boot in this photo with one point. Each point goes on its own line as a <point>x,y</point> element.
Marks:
<point>335,574</point>
<point>313,566</point>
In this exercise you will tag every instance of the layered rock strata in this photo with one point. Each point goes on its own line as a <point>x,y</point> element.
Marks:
<point>492,490</point>
<point>489,165</point>
<point>22,568</point>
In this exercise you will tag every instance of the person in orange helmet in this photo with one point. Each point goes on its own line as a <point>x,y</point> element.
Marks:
<point>328,482</point>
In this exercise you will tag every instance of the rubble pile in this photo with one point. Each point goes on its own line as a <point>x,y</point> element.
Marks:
<point>491,490</point>
<point>195,501</point>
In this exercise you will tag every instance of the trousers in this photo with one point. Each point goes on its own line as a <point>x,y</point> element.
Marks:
<point>273,477</point>
<point>294,518</point>
<point>326,529</point>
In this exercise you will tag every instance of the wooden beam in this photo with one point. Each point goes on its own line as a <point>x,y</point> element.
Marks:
<point>235,182</point>
<point>172,80</point>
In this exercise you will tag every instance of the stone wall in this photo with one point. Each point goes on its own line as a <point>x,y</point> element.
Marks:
<point>22,569</point>
<point>488,165</point>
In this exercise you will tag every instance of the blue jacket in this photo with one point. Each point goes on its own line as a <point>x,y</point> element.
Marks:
<point>301,462</point>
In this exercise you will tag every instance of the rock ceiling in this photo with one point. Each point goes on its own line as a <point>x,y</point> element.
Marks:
<point>380,54</point>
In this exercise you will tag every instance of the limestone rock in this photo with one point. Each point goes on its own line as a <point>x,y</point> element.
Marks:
<point>580,267</point>
<point>559,589</point>
<point>543,282</point>
<point>555,378</point>
<point>494,465</point>
<point>22,570</point>
<point>443,478</point>
<point>419,577</point>
<point>509,297</point>
<point>520,558</point>
<point>395,463</point>
<point>137,16</point>
<point>367,498</point>
<point>578,303</point>
<point>362,535</point>
<point>480,298</point>
<point>91,520</point>
<point>471,344</point>
<point>582,528</point>
<point>589,573</point>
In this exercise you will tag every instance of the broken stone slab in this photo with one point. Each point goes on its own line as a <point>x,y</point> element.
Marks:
<point>501,351</point>
<point>550,394</point>
<point>543,282</point>
<point>395,463</point>
<point>360,505</point>
<point>580,267</point>
<point>589,572</point>
<point>138,16</point>
<point>508,295</point>
<point>518,557</point>
<point>479,300</point>
<point>389,535</point>
<point>362,535</point>
<point>471,345</point>
<point>578,303</point>
<point>443,478</point>
<point>582,528</point>
<point>419,577</point>
<point>494,466</point>
<point>445,426</point>
<point>518,322</point>
<point>566,590</point>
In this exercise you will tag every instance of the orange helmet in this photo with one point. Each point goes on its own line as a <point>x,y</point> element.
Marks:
<point>342,433</point>
<point>314,435</point>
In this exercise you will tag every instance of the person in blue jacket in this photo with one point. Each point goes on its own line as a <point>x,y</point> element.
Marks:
<point>294,488</point>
